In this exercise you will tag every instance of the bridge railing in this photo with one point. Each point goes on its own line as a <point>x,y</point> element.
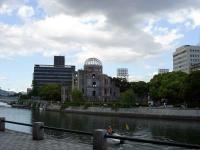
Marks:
<point>100,136</point>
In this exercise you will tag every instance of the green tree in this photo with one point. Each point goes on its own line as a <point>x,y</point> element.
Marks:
<point>168,86</point>
<point>35,90</point>
<point>140,88</point>
<point>122,84</point>
<point>77,96</point>
<point>50,92</point>
<point>128,97</point>
<point>191,89</point>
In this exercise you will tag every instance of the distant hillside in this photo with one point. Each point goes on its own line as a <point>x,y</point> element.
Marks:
<point>6,93</point>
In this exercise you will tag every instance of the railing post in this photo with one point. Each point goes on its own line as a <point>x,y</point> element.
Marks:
<point>38,131</point>
<point>2,124</point>
<point>99,140</point>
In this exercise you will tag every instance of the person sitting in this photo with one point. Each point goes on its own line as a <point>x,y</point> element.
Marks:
<point>109,130</point>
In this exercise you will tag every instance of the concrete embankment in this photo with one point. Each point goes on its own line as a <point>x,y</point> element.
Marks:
<point>143,112</point>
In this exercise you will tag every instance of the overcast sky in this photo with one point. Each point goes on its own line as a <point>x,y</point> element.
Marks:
<point>140,35</point>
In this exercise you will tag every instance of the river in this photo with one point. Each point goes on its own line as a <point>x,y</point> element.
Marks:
<point>181,131</point>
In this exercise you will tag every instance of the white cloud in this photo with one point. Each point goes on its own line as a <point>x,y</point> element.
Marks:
<point>178,16</point>
<point>92,29</point>
<point>135,78</point>
<point>146,78</point>
<point>111,30</point>
<point>195,15</point>
<point>5,9</point>
<point>25,11</point>
<point>8,7</point>
<point>2,78</point>
<point>62,34</point>
<point>187,16</point>
<point>168,38</point>
<point>163,35</point>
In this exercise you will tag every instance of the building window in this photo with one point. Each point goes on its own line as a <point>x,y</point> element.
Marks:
<point>83,90</point>
<point>94,84</point>
<point>105,82</point>
<point>105,91</point>
<point>93,75</point>
<point>93,93</point>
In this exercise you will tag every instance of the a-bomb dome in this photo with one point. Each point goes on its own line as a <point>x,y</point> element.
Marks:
<point>92,61</point>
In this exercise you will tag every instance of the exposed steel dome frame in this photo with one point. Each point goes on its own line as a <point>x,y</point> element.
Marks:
<point>92,62</point>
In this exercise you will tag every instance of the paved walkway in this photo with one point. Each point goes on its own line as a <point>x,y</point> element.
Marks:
<point>11,140</point>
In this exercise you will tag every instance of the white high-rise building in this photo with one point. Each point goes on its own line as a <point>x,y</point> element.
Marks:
<point>161,71</point>
<point>122,73</point>
<point>186,56</point>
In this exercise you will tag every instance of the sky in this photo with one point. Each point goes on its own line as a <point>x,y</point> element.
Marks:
<point>140,35</point>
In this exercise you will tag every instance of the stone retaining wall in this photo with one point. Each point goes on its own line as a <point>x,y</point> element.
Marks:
<point>161,113</point>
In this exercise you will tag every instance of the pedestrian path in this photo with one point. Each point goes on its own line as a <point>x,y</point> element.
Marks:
<point>12,140</point>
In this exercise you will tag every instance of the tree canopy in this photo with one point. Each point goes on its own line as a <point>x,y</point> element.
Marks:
<point>77,96</point>
<point>168,86</point>
<point>122,84</point>
<point>35,90</point>
<point>140,88</point>
<point>191,89</point>
<point>50,92</point>
<point>128,97</point>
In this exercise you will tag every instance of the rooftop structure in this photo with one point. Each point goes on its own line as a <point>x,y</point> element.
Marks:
<point>59,60</point>
<point>93,65</point>
<point>122,73</point>
<point>92,61</point>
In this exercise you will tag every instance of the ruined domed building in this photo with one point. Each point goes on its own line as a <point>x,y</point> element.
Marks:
<point>95,85</point>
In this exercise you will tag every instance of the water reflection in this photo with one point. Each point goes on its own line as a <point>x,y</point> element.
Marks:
<point>187,132</point>
<point>182,131</point>
<point>18,115</point>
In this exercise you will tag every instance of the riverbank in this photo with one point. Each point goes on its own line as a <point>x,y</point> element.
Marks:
<point>142,112</point>
<point>135,112</point>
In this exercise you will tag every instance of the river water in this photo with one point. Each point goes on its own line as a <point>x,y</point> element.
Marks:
<point>180,131</point>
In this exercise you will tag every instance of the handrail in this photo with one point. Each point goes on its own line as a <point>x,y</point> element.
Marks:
<point>18,123</point>
<point>50,128</point>
<point>67,130</point>
<point>194,146</point>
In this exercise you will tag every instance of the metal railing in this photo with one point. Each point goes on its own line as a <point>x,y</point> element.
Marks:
<point>18,123</point>
<point>51,128</point>
<point>67,130</point>
<point>99,135</point>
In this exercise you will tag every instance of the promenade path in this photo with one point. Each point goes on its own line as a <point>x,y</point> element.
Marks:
<point>12,140</point>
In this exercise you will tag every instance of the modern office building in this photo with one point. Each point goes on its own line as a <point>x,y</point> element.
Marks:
<point>195,67</point>
<point>95,85</point>
<point>162,71</point>
<point>59,73</point>
<point>185,57</point>
<point>122,73</point>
